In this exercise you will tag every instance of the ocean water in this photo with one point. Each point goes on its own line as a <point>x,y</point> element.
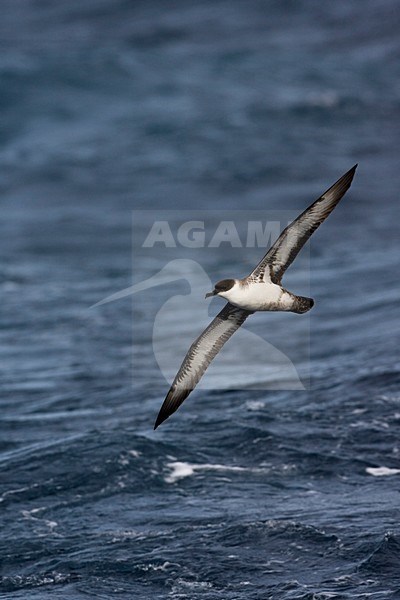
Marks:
<point>114,109</point>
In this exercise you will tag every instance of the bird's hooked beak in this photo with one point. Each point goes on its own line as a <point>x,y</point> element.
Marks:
<point>213,293</point>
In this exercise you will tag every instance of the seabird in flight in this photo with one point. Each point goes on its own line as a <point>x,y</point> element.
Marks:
<point>259,291</point>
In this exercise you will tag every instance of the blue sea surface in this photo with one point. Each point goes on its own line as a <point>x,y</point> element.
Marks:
<point>110,108</point>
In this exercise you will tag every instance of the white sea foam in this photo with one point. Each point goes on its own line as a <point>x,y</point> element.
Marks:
<point>179,470</point>
<point>182,585</point>
<point>34,515</point>
<point>135,453</point>
<point>255,404</point>
<point>382,471</point>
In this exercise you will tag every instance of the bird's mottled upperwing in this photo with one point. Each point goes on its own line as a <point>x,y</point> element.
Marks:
<point>199,356</point>
<point>281,255</point>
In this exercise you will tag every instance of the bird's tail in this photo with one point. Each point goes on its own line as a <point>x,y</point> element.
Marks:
<point>302,304</point>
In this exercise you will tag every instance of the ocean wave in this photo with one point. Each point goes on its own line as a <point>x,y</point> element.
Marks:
<point>383,558</point>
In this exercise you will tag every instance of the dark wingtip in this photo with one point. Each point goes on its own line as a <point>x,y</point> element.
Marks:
<point>351,172</point>
<point>348,177</point>
<point>160,419</point>
<point>171,403</point>
<point>340,187</point>
<point>166,410</point>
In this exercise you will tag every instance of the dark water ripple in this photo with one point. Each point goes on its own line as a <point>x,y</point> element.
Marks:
<point>110,107</point>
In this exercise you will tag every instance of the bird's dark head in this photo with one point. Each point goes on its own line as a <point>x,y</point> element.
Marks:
<point>222,286</point>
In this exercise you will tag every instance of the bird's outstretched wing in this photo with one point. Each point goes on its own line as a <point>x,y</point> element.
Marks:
<point>199,356</point>
<point>281,255</point>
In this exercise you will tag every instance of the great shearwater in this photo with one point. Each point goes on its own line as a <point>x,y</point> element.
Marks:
<point>259,291</point>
